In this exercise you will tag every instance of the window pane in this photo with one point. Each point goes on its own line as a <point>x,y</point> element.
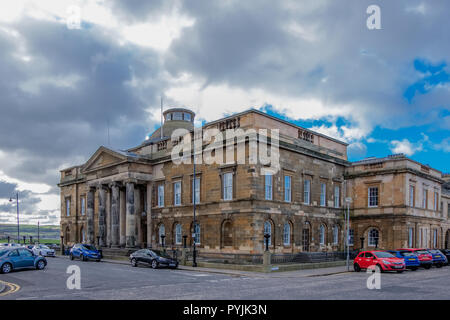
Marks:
<point>287,188</point>
<point>306,191</point>
<point>228,186</point>
<point>323,191</point>
<point>268,187</point>
<point>196,190</point>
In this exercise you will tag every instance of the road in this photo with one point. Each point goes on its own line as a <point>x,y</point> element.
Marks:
<point>102,280</point>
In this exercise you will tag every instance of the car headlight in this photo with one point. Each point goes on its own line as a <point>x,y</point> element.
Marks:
<point>386,262</point>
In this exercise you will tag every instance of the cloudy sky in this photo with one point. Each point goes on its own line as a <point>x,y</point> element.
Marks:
<point>312,62</point>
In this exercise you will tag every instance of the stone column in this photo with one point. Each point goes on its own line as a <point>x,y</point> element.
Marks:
<point>138,214</point>
<point>123,211</point>
<point>90,215</point>
<point>115,211</point>
<point>149,214</point>
<point>108,217</point>
<point>102,215</point>
<point>131,218</point>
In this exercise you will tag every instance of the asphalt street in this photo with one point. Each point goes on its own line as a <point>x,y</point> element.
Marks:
<point>103,280</point>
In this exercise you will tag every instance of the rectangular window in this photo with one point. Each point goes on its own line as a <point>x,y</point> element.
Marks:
<point>412,193</point>
<point>83,206</point>
<point>306,191</point>
<point>373,197</point>
<point>436,199</point>
<point>351,237</point>
<point>410,237</point>
<point>323,194</point>
<point>177,193</point>
<point>268,186</point>
<point>68,207</point>
<point>196,191</point>
<point>425,199</point>
<point>337,195</point>
<point>161,195</point>
<point>228,186</point>
<point>287,188</point>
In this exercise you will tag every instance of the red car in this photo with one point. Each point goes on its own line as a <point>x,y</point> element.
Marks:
<point>425,258</point>
<point>381,259</point>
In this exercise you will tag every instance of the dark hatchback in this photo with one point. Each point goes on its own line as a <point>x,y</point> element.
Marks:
<point>446,253</point>
<point>155,258</point>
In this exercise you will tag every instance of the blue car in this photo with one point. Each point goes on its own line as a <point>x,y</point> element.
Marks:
<point>19,258</point>
<point>439,259</point>
<point>85,252</point>
<point>411,260</point>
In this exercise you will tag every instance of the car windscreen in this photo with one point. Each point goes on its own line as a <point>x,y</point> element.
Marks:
<point>383,255</point>
<point>2,252</point>
<point>422,252</point>
<point>89,247</point>
<point>162,254</point>
<point>44,247</point>
<point>407,254</point>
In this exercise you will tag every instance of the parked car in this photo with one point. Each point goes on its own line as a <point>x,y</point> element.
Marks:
<point>439,259</point>
<point>381,259</point>
<point>446,252</point>
<point>19,258</point>
<point>411,259</point>
<point>43,250</point>
<point>85,252</point>
<point>155,258</point>
<point>15,245</point>
<point>425,258</point>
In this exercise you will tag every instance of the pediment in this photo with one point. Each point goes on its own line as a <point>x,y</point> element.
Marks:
<point>103,157</point>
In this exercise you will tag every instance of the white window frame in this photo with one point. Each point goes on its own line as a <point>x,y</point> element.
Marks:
<point>196,190</point>
<point>374,197</point>
<point>83,205</point>
<point>371,239</point>
<point>197,232</point>
<point>323,194</point>
<point>286,234</point>
<point>228,186</point>
<point>287,188</point>
<point>337,196</point>
<point>322,235</point>
<point>268,191</point>
<point>67,207</point>
<point>412,191</point>
<point>178,234</point>
<point>161,195</point>
<point>177,193</point>
<point>410,237</point>
<point>307,191</point>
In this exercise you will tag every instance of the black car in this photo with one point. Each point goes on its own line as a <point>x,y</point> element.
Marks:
<point>446,252</point>
<point>155,258</point>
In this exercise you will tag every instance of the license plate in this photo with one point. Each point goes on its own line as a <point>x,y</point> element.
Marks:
<point>411,259</point>
<point>172,265</point>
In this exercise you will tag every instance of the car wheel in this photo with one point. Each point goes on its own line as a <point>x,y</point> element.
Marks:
<point>356,267</point>
<point>71,256</point>
<point>98,260</point>
<point>134,262</point>
<point>154,264</point>
<point>83,257</point>
<point>40,265</point>
<point>414,268</point>
<point>428,266</point>
<point>378,268</point>
<point>439,265</point>
<point>6,268</point>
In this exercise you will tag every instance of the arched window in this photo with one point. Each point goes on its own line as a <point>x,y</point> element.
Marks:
<point>178,234</point>
<point>268,230</point>
<point>373,237</point>
<point>335,235</point>
<point>287,234</point>
<point>227,234</point>
<point>161,232</point>
<point>322,234</point>
<point>197,234</point>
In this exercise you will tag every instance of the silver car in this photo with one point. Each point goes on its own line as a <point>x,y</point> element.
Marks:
<point>43,250</point>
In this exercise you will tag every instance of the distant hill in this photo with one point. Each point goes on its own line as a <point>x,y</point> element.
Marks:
<point>45,232</point>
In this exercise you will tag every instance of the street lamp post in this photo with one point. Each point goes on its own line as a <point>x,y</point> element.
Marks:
<point>38,232</point>
<point>348,200</point>
<point>362,242</point>
<point>266,237</point>
<point>194,251</point>
<point>17,205</point>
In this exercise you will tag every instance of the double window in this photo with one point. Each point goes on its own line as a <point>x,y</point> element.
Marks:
<point>307,191</point>
<point>161,195</point>
<point>373,197</point>
<point>228,186</point>
<point>177,193</point>
<point>373,237</point>
<point>268,186</point>
<point>323,194</point>
<point>287,188</point>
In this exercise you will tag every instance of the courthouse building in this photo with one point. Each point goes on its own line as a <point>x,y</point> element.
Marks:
<point>140,198</point>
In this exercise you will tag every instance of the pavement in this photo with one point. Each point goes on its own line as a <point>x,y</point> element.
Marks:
<point>111,281</point>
